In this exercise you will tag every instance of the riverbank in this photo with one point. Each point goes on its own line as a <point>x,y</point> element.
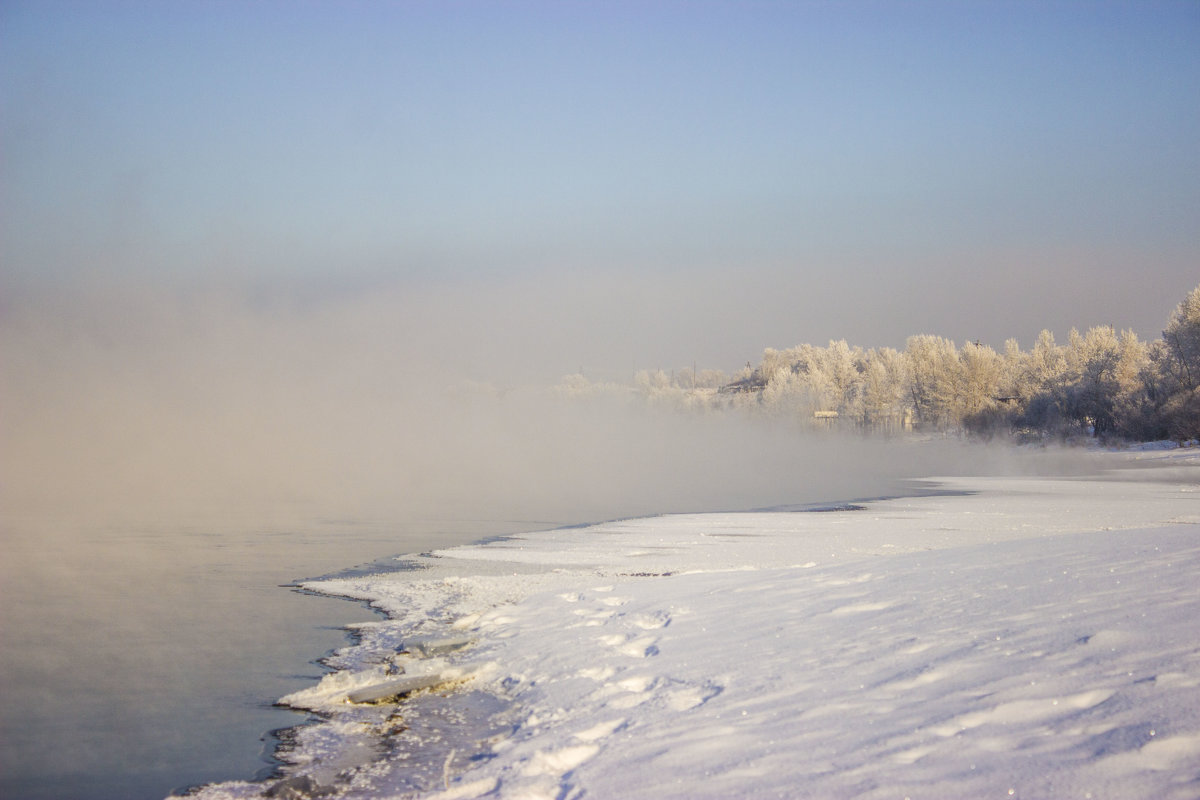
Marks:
<point>1028,637</point>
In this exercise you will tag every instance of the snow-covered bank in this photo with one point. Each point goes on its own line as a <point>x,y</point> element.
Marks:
<point>1030,638</point>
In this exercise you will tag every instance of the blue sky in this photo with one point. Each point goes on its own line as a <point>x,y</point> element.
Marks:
<point>760,174</point>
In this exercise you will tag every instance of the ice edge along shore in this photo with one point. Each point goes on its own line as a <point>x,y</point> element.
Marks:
<point>1033,638</point>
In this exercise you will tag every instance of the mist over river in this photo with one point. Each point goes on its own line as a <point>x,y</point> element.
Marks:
<point>167,470</point>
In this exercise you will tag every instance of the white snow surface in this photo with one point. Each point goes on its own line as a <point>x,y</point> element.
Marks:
<point>1029,638</point>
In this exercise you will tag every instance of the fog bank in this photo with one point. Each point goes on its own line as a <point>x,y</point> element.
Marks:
<point>142,404</point>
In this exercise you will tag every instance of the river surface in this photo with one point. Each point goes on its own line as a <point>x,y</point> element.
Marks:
<point>140,660</point>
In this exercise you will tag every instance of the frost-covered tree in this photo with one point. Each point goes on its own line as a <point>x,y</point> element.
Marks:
<point>710,378</point>
<point>1180,369</point>
<point>978,408</point>
<point>688,389</point>
<point>1100,382</point>
<point>1091,378</point>
<point>1042,387</point>
<point>1136,408</point>
<point>1047,364</point>
<point>1182,337</point>
<point>981,371</point>
<point>838,367</point>
<point>884,389</point>
<point>787,394</point>
<point>1014,367</point>
<point>650,383</point>
<point>773,361</point>
<point>935,380</point>
<point>795,385</point>
<point>805,379</point>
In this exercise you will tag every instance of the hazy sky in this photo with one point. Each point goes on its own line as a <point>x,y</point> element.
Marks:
<point>617,184</point>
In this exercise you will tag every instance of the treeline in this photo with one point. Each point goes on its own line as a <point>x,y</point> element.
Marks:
<point>1098,383</point>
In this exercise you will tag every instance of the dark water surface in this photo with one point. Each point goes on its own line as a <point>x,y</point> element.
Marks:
<point>136,661</point>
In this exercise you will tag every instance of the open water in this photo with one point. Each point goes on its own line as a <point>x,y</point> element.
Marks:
<point>137,661</point>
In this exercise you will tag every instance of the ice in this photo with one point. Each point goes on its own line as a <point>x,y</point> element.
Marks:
<point>393,690</point>
<point>1024,637</point>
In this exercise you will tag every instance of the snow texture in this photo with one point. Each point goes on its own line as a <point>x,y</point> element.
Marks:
<point>1028,638</point>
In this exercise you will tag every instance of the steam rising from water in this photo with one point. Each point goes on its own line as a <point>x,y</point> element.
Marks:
<point>389,406</point>
<point>169,459</point>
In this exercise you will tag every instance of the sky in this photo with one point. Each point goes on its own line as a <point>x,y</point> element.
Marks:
<point>657,183</point>
<point>260,248</point>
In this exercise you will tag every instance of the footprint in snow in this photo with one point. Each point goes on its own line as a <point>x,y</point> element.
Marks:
<point>591,618</point>
<point>628,701</point>
<point>625,693</point>
<point>635,683</point>
<point>601,730</point>
<point>640,647</point>
<point>649,622</point>
<point>598,674</point>
<point>559,762</point>
<point>690,697</point>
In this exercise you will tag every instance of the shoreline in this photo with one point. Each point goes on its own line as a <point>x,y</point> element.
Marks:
<point>405,627</point>
<point>279,742</point>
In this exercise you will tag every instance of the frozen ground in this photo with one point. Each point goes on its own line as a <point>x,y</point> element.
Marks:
<point>1030,638</point>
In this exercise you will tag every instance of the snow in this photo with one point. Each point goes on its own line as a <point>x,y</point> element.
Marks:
<point>1020,637</point>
